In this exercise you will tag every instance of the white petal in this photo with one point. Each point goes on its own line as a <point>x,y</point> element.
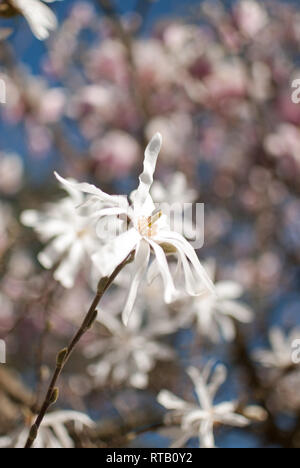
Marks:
<point>40,18</point>
<point>52,253</point>
<point>237,310</point>
<point>206,434</point>
<point>146,178</point>
<point>200,388</point>
<point>229,290</point>
<point>227,327</point>
<point>217,379</point>
<point>69,267</point>
<point>183,245</point>
<point>141,261</point>
<point>92,190</point>
<point>170,291</point>
<point>115,252</point>
<point>194,416</point>
<point>171,401</point>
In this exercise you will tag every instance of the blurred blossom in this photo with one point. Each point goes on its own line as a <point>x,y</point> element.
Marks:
<point>147,53</point>
<point>83,13</point>
<point>116,153</point>
<point>198,420</point>
<point>11,173</point>
<point>131,352</point>
<point>285,142</point>
<point>280,354</point>
<point>251,17</point>
<point>177,194</point>
<point>229,80</point>
<point>215,315</point>
<point>53,432</point>
<point>51,106</point>
<point>72,237</point>
<point>175,142</point>
<point>108,62</point>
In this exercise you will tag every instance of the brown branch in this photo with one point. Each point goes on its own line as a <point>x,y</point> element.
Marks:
<point>64,355</point>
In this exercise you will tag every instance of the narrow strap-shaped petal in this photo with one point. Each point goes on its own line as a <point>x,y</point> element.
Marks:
<point>217,379</point>
<point>200,388</point>
<point>171,401</point>
<point>146,178</point>
<point>170,290</point>
<point>92,190</point>
<point>191,255</point>
<point>141,261</point>
<point>206,434</point>
<point>52,253</point>
<point>40,18</point>
<point>69,267</point>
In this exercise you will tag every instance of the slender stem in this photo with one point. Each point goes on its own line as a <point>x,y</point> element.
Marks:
<point>64,354</point>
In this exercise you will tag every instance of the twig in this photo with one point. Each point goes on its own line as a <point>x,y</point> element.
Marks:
<point>64,355</point>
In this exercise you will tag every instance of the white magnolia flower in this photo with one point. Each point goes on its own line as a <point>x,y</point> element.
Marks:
<point>40,17</point>
<point>178,197</point>
<point>198,420</point>
<point>53,432</point>
<point>72,236</point>
<point>131,352</point>
<point>280,354</point>
<point>215,314</point>
<point>148,232</point>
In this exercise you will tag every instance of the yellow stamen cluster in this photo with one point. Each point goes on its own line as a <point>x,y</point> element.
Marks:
<point>146,226</point>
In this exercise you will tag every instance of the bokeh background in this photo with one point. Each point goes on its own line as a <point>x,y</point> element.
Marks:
<point>215,79</point>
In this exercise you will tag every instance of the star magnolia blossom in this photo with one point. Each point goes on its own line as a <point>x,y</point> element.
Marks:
<point>53,432</point>
<point>72,237</point>
<point>280,354</point>
<point>199,420</point>
<point>148,231</point>
<point>131,352</point>
<point>39,17</point>
<point>216,314</point>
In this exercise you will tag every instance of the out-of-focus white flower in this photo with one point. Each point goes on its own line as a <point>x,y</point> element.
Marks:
<point>53,432</point>
<point>145,53</point>
<point>175,143</point>
<point>284,142</point>
<point>251,17</point>
<point>215,313</point>
<point>179,197</point>
<point>72,236</point>
<point>11,173</point>
<point>199,420</point>
<point>175,190</point>
<point>116,152</point>
<point>229,80</point>
<point>148,231</point>
<point>280,354</point>
<point>40,17</point>
<point>131,351</point>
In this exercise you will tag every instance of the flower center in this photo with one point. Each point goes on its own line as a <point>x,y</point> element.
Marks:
<point>147,226</point>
